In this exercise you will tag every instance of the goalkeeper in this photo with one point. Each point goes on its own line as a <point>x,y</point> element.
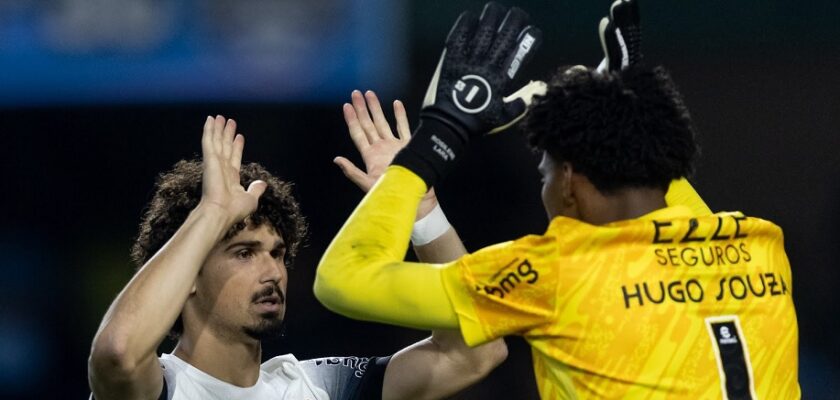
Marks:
<point>634,290</point>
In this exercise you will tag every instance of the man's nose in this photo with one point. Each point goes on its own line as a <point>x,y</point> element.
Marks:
<point>273,269</point>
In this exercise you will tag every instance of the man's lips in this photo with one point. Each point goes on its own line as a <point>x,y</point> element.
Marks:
<point>270,294</point>
<point>269,303</point>
<point>270,299</point>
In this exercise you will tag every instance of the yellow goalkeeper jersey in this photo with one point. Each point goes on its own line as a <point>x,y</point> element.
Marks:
<point>679,303</point>
<point>667,306</point>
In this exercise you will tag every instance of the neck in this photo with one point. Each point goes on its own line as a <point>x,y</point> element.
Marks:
<point>624,204</point>
<point>228,359</point>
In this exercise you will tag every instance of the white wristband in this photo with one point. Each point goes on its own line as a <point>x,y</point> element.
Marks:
<point>430,227</point>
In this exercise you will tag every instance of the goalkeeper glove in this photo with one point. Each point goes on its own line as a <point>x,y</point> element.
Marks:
<point>465,98</point>
<point>621,36</point>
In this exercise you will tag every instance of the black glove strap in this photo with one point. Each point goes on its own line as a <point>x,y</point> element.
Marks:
<point>432,151</point>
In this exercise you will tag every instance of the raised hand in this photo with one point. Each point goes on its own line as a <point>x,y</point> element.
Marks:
<point>373,137</point>
<point>621,36</point>
<point>470,92</point>
<point>376,142</point>
<point>221,149</point>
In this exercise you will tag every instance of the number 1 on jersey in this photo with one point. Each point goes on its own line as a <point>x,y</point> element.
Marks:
<point>733,357</point>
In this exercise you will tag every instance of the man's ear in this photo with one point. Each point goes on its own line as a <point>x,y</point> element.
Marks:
<point>567,176</point>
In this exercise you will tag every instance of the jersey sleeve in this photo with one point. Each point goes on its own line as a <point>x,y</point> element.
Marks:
<point>681,193</point>
<point>509,288</point>
<point>348,378</point>
<point>362,274</point>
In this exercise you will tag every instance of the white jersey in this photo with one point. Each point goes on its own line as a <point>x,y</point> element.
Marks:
<point>281,378</point>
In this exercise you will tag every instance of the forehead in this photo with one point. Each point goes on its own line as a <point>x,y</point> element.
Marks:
<point>263,232</point>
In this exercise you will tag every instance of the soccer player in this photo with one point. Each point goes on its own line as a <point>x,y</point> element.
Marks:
<point>632,292</point>
<point>213,274</point>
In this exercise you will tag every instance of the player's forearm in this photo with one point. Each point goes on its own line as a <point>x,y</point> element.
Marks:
<point>439,367</point>
<point>463,365</point>
<point>446,248</point>
<point>145,310</point>
<point>362,274</point>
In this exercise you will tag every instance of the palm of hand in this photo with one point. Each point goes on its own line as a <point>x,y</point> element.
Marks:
<point>376,143</point>
<point>377,157</point>
<point>222,156</point>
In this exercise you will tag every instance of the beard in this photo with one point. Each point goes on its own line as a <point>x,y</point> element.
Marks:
<point>270,325</point>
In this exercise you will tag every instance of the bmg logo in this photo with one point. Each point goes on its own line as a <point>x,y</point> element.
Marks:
<point>507,279</point>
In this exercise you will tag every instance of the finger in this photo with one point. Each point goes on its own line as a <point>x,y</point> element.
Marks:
<point>218,128</point>
<point>363,116</point>
<point>379,121</point>
<point>526,45</point>
<point>488,22</point>
<point>357,134</point>
<point>353,173</point>
<point>207,137</point>
<point>257,188</point>
<point>236,155</point>
<point>227,138</point>
<point>457,41</point>
<point>507,36</point>
<point>403,129</point>
<point>609,44</point>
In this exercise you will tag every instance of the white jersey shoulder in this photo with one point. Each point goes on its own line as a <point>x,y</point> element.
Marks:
<point>281,378</point>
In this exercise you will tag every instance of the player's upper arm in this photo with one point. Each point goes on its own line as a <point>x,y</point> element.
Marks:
<point>439,367</point>
<point>506,289</point>
<point>111,379</point>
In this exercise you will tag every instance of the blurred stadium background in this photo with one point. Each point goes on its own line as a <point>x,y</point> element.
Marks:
<point>98,96</point>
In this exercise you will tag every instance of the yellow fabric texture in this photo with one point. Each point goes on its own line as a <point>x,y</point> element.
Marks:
<point>362,274</point>
<point>612,311</point>
<point>619,311</point>
<point>680,193</point>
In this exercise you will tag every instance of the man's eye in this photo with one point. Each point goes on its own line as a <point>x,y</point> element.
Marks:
<point>244,254</point>
<point>278,254</point>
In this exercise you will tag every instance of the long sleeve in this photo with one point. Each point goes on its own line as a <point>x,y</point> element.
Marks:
<point>362,274</point>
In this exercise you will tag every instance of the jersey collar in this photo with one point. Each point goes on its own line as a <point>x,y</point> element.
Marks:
<point>672,212</point>
<point>666,213</point>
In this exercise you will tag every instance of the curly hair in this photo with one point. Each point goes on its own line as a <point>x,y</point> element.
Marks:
<point>178,192</point>
<point>619,129</point>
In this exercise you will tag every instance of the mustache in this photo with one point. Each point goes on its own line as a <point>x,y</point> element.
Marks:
<point>269,291</point>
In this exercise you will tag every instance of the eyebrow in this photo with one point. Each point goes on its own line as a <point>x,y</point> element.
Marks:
<point>255,243</point>
<point>246,243</point>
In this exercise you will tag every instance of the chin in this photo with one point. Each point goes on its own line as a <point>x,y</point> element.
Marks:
<point>270,326</point>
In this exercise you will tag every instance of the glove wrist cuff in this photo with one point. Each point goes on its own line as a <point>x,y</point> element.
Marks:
<point>433,149</point>
<point>452,122</point>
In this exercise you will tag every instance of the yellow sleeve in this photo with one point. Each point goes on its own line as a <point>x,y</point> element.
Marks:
<point>362,274</point>
<point>505,289</point>
<point>681,193</point>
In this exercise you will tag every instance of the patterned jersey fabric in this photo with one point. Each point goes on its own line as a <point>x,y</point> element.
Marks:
<point>675,304</point>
